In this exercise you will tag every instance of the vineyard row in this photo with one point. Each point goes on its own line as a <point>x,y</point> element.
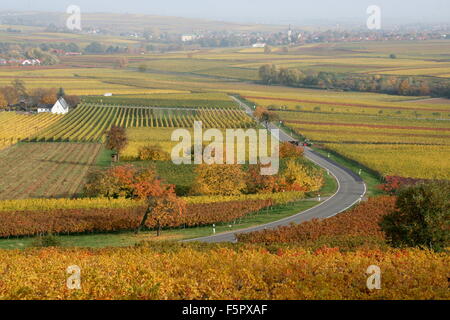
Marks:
<point>90,122</point>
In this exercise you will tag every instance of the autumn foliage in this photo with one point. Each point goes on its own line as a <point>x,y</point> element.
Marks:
<point>116,139</point>
<point>219,179</point>
<point>393,184</point>
<point>222,272</point>
<point>299,177</point>
<point>257,183</point>
<point>70,221</point>
<point>44,96</point>
<point>264,115</point>
<point>125,181</point>
<point>289,150</point>
<point>153,152</point>
<point>363,220</point>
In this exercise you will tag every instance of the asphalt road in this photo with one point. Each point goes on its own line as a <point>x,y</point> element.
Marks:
<point>351,190</point>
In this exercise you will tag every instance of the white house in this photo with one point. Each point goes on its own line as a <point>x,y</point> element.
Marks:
<point>44,109</point>
<point>60,107</point>
<point>259,45</point>
<point>31,62</point>
<point>187,37</point>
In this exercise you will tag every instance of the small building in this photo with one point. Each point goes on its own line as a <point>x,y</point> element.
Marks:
<point>60,107</point>
<point>108,94</point>
<point>73,53</point>
<point>187,37</point>
<point>44,108</point>
<point>31,62</point>
<point>259,45</point>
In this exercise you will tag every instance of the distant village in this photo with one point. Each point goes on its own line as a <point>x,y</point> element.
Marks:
<point>34,62</point>
<point>162,41</point>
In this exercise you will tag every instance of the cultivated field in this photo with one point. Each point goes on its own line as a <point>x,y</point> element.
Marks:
<point>45,170</point>
<point>90,121</point>
<point>15,127</point>
<point>393,137</point>
<point>252,272</point>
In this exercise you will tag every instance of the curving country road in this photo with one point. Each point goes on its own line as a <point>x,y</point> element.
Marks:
<point>350,190</point>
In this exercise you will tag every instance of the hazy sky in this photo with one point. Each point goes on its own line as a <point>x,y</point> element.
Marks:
<point>264,11</point>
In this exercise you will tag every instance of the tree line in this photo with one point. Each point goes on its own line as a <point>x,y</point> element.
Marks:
<point>16,95</point>
<point>408,86</point>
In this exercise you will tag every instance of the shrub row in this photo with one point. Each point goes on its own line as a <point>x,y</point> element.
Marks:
<point>98,203</point>
<point>68,221</point>
<point>362,220</point>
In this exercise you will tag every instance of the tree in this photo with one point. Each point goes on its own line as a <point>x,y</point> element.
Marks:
<point>45,57</point>
<point>267,49</point>
<point>95,47</point>
<point>162,209</point>
<point>300,178</point>
<point>73,47</point>
<point>61,93</point>
<point>3,102</point>
<point>393,56</point>
<point>421,218</point>
<point>49,96</point>
<point>122,62</point>
<point>264,115</point>
<point>404,87</point>
<point>257,183</point>
<point>288,150</point>
<point>10,94</point>
<point>153,152</point>
<point>19,86</point>
<point>264,73</point>
<point>132,183</point>
<point>124,182</point>
<point>424,89</point>
<point>116,139</point>
<point>72,100</point>
<point>219,179</point>
<point>142,68</point>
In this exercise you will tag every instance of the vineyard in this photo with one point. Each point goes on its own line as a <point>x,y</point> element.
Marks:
<point>222,272</point>
<point>416,161</point>
<point>67,221</point>
<point>396,144</point>
<point>361,221</point>
<point>121,203</point>
<point>15,127</point>
<point>175,100</point>
<point>36,170</point>
<point>364,103</point>
<point>90,121</point>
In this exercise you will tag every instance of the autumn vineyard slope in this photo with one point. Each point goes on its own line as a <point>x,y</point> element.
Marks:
<point>89,122</point>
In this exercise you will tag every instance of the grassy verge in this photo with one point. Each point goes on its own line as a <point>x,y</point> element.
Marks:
<point>329,186</point>
<point>124,239</point>
<point>104,158</point>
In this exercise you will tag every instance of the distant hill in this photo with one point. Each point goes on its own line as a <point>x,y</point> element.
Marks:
<point>114,22</point>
